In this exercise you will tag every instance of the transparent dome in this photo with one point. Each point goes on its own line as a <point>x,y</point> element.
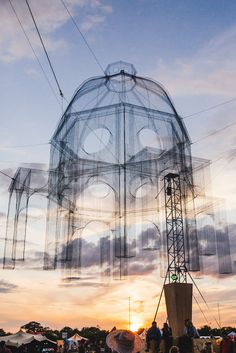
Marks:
<point>90,125</point>
<point>121,84</point>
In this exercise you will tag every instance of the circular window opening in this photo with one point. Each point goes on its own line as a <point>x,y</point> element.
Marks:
<point>97,140</point>
<point>99,190</point>
<point>149,138</point>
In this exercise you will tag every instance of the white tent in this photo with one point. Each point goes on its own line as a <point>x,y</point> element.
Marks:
<point>21,337</point>
<point>77,337</point>
<point>232,334</point>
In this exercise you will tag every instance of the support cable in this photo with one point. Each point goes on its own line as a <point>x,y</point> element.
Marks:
<point>31,46</point>
<point>214,133</point>
<point>159,301</point>
<point>45,51</point>
<point>24,146</point>
<point>208,323</point>
<point>159,192</point>
<point>83,37</point>
<point>210,108</point>
<point>195,284</point>
<point>97,61</point>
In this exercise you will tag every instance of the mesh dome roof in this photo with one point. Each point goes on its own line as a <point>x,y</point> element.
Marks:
<point>121,85</point>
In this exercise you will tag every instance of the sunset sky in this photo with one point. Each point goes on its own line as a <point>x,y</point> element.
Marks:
<point>190,48</point>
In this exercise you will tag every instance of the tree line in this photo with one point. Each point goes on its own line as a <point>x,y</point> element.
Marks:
<point>34,327</point>
<point>96,333</point>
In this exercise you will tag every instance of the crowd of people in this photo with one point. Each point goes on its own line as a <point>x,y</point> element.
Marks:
<point>155,337</point>
<point>125,341</point>
<point>161,341</point>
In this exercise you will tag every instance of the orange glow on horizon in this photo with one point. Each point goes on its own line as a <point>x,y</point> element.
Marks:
<point>136,324</point>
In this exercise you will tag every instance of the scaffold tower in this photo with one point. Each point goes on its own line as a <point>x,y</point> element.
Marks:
<point>177,271</point>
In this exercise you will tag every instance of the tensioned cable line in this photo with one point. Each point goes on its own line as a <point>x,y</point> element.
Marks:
<point>24,146</point>
<point>195,284</point>
<point>31,46</point>
<point>196,141</point>
<point>222,169</point>
<point>45,51</point>
<point>86,42</point>
<point>207,321</point>
<point>214,133</point>
<point>83,37</point>
<point>159,301</point>
<point>96,59</point>
<point>210,108</point>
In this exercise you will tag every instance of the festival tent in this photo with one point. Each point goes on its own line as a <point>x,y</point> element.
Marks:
<point>21,337</point>
<point>77,337</point>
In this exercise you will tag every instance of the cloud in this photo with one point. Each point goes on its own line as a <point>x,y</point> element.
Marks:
<point>14,45</point>
<point>7,287</point>
<point>210,71</point>
<point>99,259</point>
<point>91,21</point>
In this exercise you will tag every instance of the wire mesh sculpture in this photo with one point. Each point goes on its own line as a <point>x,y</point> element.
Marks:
<point>117,140</point>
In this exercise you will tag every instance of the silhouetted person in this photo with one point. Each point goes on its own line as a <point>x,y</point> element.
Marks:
<point>189,333</point>
<point>190,330</point>
<point>226,345</point>
<point>81,348</point>
<point>3,348</point>
<point>153,338</point>
<point>167,337</point>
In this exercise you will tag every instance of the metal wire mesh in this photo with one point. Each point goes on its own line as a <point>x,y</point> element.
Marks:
<point>118,138</point>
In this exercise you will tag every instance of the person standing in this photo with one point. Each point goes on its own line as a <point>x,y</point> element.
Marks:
<point>153,338</point>
<point>167,337</point>
<point>3,348</point>
<point>226,345</point>
<point>190,332</point>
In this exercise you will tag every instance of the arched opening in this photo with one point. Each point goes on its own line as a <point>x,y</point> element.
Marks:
<point>96,140</point>
<point>150,138</point>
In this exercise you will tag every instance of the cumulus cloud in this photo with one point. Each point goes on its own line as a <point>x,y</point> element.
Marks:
<point>210,71</point>
<point>13,44</point>
<point>98,258</point>
<point>91,21</point>
<point>7,287</point>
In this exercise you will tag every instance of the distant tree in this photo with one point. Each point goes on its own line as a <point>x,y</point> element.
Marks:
<point>208,331</point>
<point>216,331</point>
<point>94,333</point>
<point>52,335</point>
<point>33,327</point>
<point>2,332</point>
<point>68,330</point>
<point>205,330</point>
